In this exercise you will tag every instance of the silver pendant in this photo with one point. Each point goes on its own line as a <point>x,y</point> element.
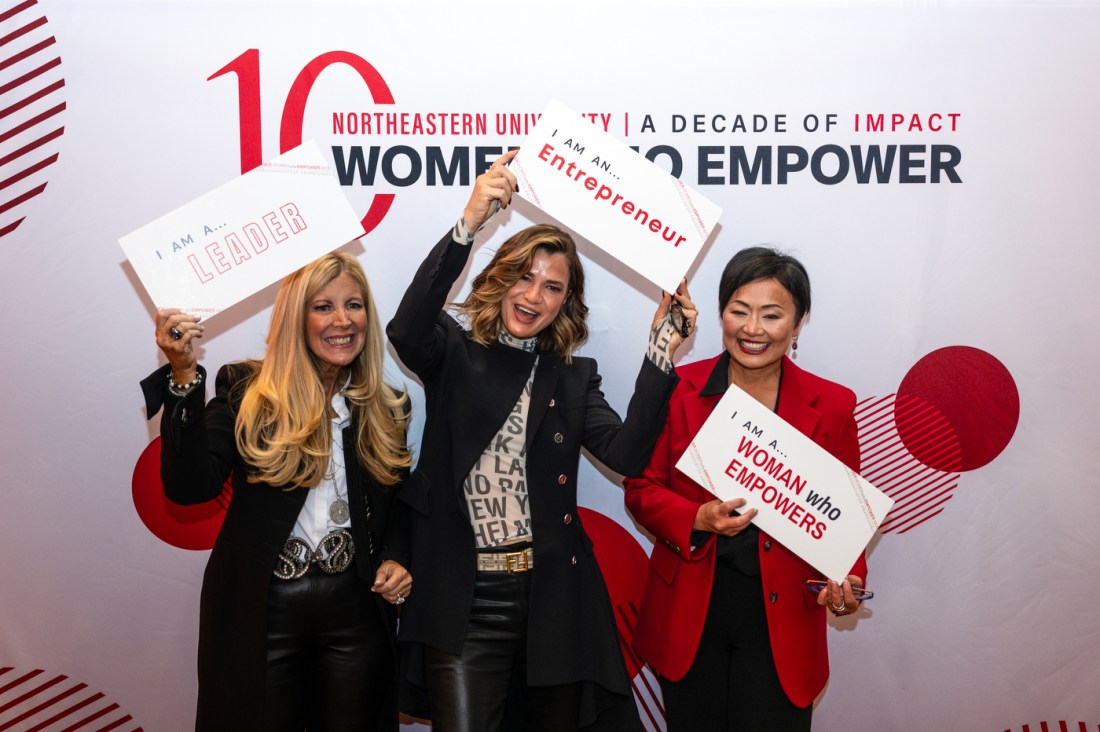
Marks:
<point>338,511</point>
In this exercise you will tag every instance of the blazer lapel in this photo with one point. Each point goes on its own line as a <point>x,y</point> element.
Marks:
<point>796,400</point>
<point>508,368</point>
<point>546,382</point>
<point>357,493</point>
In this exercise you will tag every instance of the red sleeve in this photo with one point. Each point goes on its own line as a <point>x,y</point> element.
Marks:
<point>661,499</point>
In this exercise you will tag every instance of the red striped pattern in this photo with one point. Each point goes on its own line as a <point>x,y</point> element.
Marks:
<point>919,492</point>
<point>36,701</point>
<point>31,103</point>
<point>647,691</point>
<point>1062,726</point>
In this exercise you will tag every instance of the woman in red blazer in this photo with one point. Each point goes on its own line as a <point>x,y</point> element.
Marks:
<point>726,620</point>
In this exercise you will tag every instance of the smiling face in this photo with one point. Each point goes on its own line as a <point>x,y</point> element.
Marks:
<point>336,326</point>
<point>758,325</point>
<point>533,303</point>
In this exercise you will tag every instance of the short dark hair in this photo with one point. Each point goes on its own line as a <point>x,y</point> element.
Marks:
<point>764,263</point>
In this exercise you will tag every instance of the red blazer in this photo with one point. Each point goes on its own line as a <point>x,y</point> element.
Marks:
<point>664,501</point>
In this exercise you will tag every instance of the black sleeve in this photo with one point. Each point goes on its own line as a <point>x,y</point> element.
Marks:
<point>198,448</point>
<point>416,330</point>
<point>625,445</point>
<point>397,539</point>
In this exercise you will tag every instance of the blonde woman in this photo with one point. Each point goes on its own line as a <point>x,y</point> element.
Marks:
<point>299,598</point>
<point>511,626</point>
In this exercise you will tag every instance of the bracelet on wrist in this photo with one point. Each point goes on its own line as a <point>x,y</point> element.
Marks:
<point>182,390</point>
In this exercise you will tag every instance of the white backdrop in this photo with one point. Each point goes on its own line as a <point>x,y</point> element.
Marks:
<point>986,617</point>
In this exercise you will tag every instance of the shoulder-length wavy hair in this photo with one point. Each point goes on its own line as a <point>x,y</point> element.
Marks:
<point>283,426</point>
<point>513,260</point>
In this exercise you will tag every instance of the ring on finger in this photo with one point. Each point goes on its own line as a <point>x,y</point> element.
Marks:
<point>175,332</point>
<point>400,599</point>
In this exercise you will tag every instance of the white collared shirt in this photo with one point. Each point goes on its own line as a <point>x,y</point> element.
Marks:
<point>313,522</point>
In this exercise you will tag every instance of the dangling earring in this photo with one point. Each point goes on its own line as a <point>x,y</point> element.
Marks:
<point>794,348</point>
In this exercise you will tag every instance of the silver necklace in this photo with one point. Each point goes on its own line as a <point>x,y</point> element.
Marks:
<point>338,510</point>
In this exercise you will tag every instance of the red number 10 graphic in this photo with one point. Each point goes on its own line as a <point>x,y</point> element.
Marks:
<point>247,68</point>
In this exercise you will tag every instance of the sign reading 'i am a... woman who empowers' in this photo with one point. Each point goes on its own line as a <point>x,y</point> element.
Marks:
<point>809,501</point>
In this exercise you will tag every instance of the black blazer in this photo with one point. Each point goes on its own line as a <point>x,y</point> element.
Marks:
<point>198,453</point>
<point>470,390</point>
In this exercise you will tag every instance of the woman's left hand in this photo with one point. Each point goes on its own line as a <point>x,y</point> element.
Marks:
<point>839,598</point>
<point>679,299</point>
<point>393,582</point>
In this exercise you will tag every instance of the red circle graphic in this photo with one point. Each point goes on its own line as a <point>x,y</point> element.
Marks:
<point>624,565</point>
<point>187,527</point>
<point>972,395</point>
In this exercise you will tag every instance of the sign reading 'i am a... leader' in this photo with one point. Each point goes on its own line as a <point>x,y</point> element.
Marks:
<point>812,503</point>
<point>239,238</point>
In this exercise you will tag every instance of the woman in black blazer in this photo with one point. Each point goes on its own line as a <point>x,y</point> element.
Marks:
<point>297,615</point>
<point>509,595</point>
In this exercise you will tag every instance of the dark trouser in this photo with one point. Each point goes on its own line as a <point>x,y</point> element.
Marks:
<point>732,683</point>
<point>469,692</point>
<point>329,659</point>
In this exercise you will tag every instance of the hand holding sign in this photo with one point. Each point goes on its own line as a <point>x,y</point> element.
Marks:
<point>720,517</point>
<point>681,313</point>
<point>175,332</point>
<point>492,191</point>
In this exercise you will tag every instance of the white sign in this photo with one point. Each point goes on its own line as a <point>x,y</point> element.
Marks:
<point>614,197</point>
<point>815,505</point>
<point>239,238</point>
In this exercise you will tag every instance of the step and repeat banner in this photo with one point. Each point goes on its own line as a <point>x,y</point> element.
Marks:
<point>933,166</point>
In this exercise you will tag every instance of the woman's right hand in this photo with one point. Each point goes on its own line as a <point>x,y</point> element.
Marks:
<point>493,189</point>
<point>716,517</point>
<point>179,350</point>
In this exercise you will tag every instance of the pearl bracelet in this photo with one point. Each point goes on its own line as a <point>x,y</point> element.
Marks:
<point>182,390</point>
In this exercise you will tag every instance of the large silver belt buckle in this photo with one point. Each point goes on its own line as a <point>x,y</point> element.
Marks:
<point>333,555</point>
<point>335,552</point>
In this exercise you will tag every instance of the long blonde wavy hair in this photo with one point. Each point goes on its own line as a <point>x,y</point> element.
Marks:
<point>283,425</point>
<point>510,262</point>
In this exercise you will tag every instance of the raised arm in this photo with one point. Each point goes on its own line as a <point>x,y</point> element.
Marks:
<point>625,445</point>
<point>416,330</point>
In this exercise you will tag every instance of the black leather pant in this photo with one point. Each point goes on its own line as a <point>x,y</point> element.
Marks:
<point>484,688</point>
<point>329,658</point>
